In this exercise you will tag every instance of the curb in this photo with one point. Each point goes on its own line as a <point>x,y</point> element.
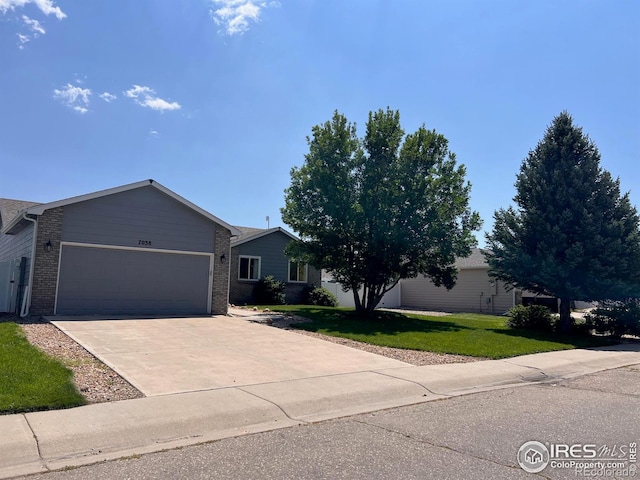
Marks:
<point>42,441</point>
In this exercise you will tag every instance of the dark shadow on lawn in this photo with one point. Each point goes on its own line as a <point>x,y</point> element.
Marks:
<point>387,323</point>
<point>577,340</point>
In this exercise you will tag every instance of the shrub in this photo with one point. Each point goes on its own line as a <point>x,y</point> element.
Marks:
<point>269,291</point>
<point>533,317</point>
<point>616,318</point>
<point>322,297</point>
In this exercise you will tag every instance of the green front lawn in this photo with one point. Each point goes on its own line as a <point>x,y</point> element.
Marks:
<point>30,380</point>
<point>462,333</point>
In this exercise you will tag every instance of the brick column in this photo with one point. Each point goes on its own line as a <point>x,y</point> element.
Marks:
<point>220,293</point>
<point>45,272</point>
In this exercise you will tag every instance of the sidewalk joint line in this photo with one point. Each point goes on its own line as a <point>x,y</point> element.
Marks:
<point>274,404</point>
<point>407,380</point>
<point>35,437</point>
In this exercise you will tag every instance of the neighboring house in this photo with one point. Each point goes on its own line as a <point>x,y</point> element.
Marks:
<point>134,249</point>
<point>475,291</point>
<point>259,252</point>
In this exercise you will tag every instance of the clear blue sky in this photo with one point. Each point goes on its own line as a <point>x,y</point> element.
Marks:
<point>214,98</point>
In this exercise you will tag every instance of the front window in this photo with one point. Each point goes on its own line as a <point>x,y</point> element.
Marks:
<point>249,268</point>
<point>298,272</point>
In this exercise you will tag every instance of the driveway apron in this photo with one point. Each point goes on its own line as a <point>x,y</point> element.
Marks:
<point>162,356</point>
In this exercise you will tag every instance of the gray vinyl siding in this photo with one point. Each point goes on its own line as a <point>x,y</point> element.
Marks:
<point>273,261</point>
<point>12,247</point>
<point>143,217</point>
<point>271,250</point>
<point>16,246</point>
<point>469,295</point>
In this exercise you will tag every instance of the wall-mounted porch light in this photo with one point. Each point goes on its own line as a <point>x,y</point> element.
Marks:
<point>48,246</point>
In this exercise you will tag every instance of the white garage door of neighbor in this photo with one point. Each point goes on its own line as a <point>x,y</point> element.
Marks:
<point>107,280</point>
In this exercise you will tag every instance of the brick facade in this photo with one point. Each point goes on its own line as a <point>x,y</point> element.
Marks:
<point>220,293</point>
<point>45,273</point>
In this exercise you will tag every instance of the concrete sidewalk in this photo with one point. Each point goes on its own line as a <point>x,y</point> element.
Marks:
<point>41,441</point>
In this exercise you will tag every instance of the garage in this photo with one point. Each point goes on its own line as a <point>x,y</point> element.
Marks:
<point>137,249</point>
<point>132,281</point>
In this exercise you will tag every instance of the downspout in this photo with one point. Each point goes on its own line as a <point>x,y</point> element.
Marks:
<point>26,298</point>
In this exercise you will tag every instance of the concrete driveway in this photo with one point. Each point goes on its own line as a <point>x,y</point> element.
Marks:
<point>161,356</point>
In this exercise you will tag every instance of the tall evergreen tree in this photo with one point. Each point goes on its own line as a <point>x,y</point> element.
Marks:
<point>573,235</point>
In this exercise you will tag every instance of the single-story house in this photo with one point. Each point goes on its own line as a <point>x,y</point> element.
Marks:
<point>257,253</point>
<point>133,249</point>
<point>475,291</point>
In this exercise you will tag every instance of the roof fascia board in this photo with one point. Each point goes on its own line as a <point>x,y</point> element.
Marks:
<point>16,220</point>
<point>40,209</point>
<point>262,234</point>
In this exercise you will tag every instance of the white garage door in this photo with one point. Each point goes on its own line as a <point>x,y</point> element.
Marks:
<point>103,280</point>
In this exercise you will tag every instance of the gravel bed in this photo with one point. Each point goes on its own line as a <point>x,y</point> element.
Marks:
<point>95,381</point>
<point>99,383</point>
<point>413,357</point>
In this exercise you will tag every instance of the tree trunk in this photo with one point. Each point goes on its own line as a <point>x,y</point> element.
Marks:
<point>356,299</point>
<point>565,315</point>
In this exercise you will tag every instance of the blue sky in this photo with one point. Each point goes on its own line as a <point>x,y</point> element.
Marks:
<point>214,98</point>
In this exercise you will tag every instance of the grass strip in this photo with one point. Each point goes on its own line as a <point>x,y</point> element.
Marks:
<point>473,334</point>
<point>30,380</point>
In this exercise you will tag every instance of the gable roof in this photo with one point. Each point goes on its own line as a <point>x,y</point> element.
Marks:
<point>9,209</point>
<point>248,234</point>
<point>40,208</point>
<point>475,260</point>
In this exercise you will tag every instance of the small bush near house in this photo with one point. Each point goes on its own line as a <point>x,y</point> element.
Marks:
<point>269,291</point>
<point>616,318</point>
<point>533,317</point>
<point>321,297</point>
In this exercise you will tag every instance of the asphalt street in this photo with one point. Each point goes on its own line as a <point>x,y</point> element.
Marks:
<point>589,418</point>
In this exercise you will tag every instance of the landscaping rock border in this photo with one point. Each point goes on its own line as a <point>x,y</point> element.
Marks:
<point>99,383</point>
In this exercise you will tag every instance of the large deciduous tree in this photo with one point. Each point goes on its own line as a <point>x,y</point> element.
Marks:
<point>573,235</point>
<point>372,211</point>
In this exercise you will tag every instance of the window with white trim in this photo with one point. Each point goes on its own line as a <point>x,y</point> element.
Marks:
<point>298,272</point>
<point>249,268</point>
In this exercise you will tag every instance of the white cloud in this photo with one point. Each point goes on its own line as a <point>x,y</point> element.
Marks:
<point>107,97</point>
<point>34,25</point>
<point>23,39</point>
<point>46,6</point>
<point>236,15</point>
<point>154,133</point>
<point>146,97</point>
<point>76,98</point>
